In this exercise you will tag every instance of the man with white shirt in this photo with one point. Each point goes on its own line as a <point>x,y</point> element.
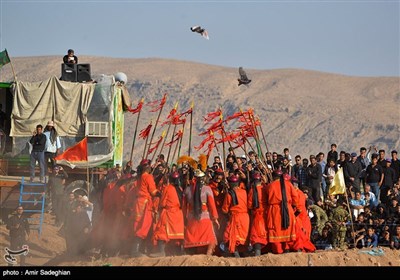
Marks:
<point>373,201</point>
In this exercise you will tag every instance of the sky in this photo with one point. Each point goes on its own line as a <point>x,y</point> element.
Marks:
<point>357,38</point>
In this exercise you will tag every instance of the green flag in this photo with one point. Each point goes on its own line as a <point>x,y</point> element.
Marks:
<point>4,58</point>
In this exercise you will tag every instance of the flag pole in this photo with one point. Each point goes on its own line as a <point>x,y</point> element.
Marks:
<point>257,137</point>
<point>169,127</point>
<point>155,125</point>
<point>351,218</point>
<point>180,140</point>
<point>134,135</point>
<point>145,144</point>
<point>12,66</point>
<point>172,138</point>
<point>87,171</point>
<point>166,135</point>
<point>155,152</point>
<point>176,147</point>
<point>190,129</point>
<point>223,142</point>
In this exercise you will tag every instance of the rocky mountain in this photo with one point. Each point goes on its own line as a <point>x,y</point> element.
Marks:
<point>303,110</point>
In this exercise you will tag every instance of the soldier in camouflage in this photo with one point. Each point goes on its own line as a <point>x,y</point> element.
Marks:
<point>338,219</point>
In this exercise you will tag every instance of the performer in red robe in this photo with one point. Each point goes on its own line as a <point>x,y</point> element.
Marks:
<point>257,203</point>
<point>200,211</point>
<point>170,225</point>
<point>143,209</point>
<point>303,223</point>
<point>235,204</point>
<point>280,215</point>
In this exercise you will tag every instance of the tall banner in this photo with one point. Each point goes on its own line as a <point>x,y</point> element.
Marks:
<point>118,126</point>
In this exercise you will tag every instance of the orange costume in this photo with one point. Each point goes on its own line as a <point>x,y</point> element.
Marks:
<point>237,228</point>
<point>280,218</point>
<point>303,225</point>
<point>143,208</point>
<point>170,224</point>
<point>258,231</point>
<point>199,230</point>
<point>219,195</point>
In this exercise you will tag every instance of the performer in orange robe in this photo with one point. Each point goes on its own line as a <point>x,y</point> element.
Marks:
<point>303,223</point>
<point>237,228</point>
<point>170,224</point>
<point>200,211</point>
<point>280,214</point>
<point>143,209</point>
<point>257,203</point>
<point>217,187</point>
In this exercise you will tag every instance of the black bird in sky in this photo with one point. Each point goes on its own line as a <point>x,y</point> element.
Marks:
<point>243,80</point>
<point>200,30</point>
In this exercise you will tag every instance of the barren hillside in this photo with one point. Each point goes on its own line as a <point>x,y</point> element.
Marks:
<point>300,109</point>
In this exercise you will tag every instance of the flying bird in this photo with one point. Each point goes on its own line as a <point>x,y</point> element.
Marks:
<point>200,30</point>
<point>243,80</point>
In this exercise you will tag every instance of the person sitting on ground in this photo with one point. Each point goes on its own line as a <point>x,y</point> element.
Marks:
<point>70,58</point>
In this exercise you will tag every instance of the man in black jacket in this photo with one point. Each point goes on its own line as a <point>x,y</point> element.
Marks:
<point>19,230</point>
<point>38,141</point>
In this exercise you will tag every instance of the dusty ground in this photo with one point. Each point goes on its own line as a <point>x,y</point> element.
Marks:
<point>49,251</point>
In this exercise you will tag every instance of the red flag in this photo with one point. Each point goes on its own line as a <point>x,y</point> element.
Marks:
<point>158,104</point>
<point>234,116</point>
<point>188,112</point>
<point>239,142</point>
<point>155,145</point>
<point>213,115</point>
<point>177,120</point>
<point>211,146</point>
<point>138,108</point>
<point>74,154</point>
<point>145,132</point>
<point>205,140</point>
<point>215,126</point>
<point>229,137</point>
<point>178,136</point>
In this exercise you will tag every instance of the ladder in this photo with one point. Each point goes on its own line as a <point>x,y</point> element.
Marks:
<point>33,194</point>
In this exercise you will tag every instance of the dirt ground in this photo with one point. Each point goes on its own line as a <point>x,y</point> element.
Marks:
<point>49,251</point>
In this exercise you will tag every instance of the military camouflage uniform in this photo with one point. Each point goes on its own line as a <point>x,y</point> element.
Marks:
<point>338,218</point>
<point>321,217</point>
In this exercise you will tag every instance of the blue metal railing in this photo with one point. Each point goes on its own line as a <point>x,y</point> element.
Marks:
<point>37,221</point>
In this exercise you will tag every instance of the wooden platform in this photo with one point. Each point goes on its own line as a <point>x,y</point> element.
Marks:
<point>10,181</point>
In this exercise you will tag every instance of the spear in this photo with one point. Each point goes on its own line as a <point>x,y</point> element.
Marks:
<point>223,143</point>
<point>137,123</point>
<point>172,138</point>
<point>155,152</point>
<point>262,163</point>
<point>145,144</point>
<point>158,118</point>
<point>190,130</point>
<point>262,133</point>
<point>180,140</point>
<point>176,147</point>
<point>169,126</point>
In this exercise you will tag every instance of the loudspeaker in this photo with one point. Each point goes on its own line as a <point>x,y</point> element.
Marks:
<point>84,73</point>
<point>68,72</point>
